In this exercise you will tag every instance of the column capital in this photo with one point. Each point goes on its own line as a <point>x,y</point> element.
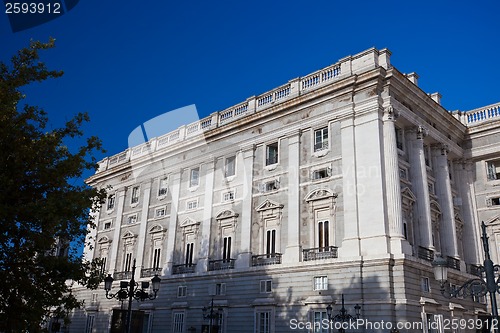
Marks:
<point>391,113</point>
<point>420,131</point>
<point>441,147</point>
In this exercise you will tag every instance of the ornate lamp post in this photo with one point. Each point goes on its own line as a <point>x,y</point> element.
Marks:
<point>130,290</point>
<point>211,313</point>
<point>342,316</point>
<point>474,287</point>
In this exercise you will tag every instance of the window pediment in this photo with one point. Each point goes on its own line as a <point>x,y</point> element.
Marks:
<point>267,205</point>
<point>129,234</point>
<point>188,222</point>
<point>226,214</point>
<point>104,240</point>
<point>320,194</point>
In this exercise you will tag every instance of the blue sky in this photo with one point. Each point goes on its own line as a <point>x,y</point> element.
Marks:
<point>125,64</point>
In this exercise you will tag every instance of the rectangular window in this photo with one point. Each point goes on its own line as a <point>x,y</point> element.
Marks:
<point>128,262</point>
<point>156,258</point>
<point>220,289</point>
<point>230,166</point>
<point>107,225</point>
<point>426,156</point>
<point>111,202</point>
<point>192,204</point>
<point>263,322</point>
<point>399,138</point>
<point>103,265</point>
<point>321,139</point>
<point>181,291</point>
<point>132,219</point>
<point>178,322</point>
<point>89,326</point>
<point>320,174</point>
<point>320,283</point>
<point>431,188</point>
<point>272,153</point>
<point>266,286</point>
<point>319,318</point>
<point>323,235</point>
<point>135,195</point>
<point>270,186</point>
<point>163,187</point>
<point>426,287</point>
<point>160,212</point>
<point>271,242</point>
<point>195,177</point>
<point>403,173</point>
<point>189,254</point>
<point>228,196</point>
<point>493,168</point>
<point>226,248</point>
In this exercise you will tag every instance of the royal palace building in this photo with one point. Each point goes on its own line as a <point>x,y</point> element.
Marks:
<point>335,189</point>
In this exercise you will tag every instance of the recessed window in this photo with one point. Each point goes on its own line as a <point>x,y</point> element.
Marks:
<point>426,155</point>
<point>135,195</point>
<point>403,173</point>
<point>493,168</point>
<point>163,187</point>
<point>270,186</point>
<point>266,286</point>
<point>320,283</point>
<point>228,196</point>
<point>230,166</point>
<point>321,173</point>
<point>111,202</point>
<point>160,212</point>
<point>272,153</point>
<point>107,225</point>
<point>132,219</point>
<point>192,204</point>
<point>493,202</point>
<point>195,177</point>
<point>399,138</point>
<point>220,289</point>
<point>321,139</point>
<point>425,285</point>
<point>181,291</point>
<point>431,188</point>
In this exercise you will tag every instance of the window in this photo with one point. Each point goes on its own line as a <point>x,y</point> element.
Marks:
<point>146,322</point>
<point>132,219</point>
<point>181,291</point>
<point>272,153</point>
<point>220,289</point>
<point>271,242</point>
<point>195,177</point>
<point>163,187</point>
<point>228,196</point>
<point>230,166</point>
<point>111,202</point>
<point>320,283</point>
<point>192,204</point>
<point>107,225</point>
<point>323,234</point>
<point>135,195</point>
<point>178,322</point>
<point>431,188</point>
<point>426,156</point>
<point>319,318</point>
<point>263,322</point>
<point>128,262</point>
<point>322,173</point>
<point>493,202</point>
<point>266,286</point>
<point>160,212</point>
<point>189,254</point>
<point>270,186</point>
<point>403,173</point>
<point>89,326</point>
<point>156,258</point>
<point>226,248</point>
<point>425,285</point>
<point>399,138</point>
<point>493,168</point>
<point>103,265</point>
<point>321,139</point>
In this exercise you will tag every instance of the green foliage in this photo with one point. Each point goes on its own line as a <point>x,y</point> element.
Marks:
<point>42,211</point>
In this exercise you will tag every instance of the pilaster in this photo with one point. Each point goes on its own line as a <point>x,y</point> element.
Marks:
<point>143,225</point>
<point>206,224</point>
<point>172,224</point>
<point>120,203</point>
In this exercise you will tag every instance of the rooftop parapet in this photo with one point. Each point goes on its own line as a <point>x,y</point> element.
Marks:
<point>345,67</point>
<point>479,115</point>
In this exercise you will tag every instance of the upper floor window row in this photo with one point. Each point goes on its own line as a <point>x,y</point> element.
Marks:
<point>493,168</point>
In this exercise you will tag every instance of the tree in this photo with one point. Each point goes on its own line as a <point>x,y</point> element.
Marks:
<point>42,211</point>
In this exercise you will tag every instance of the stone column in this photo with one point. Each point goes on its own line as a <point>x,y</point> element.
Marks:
<point>172,224</point>
<point>418,174</point>
<point>292,250</point>
<point>143,226</point>
<point>245,255</point>
<point>91,238</point>
<point>206,224</point>
<point>120,203</point>
<point>443,191</point>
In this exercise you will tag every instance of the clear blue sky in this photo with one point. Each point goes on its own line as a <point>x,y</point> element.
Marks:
<point>127,62</point>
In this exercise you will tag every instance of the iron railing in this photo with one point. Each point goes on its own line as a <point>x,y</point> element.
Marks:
<point>319,253</point>
<point>183,268</point>
<point>222,264</point>
<point>266,259</point>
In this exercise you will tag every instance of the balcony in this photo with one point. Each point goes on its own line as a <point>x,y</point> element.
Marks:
<point>222,264</point>
<point>183,268</point>
<point>453,263</point>
<point>320,253</point>
<point>475,270</point>
<point>426,254</point>
<point>148,272</point>
<point>122,275</point>
<point>266,259</point>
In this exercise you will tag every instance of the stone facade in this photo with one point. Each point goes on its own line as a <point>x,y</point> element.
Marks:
<point>347,181</point>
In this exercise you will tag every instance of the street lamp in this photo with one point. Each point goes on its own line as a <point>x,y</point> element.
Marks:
<point>212,314</point>
<point>130,290</point>
<point>342,316</point>
<point>473,287</point>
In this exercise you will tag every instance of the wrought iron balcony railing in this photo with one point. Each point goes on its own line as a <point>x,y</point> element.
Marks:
<point>183,268</point>
<point>453,263</point>
<point>222,264</point>
<point>148,272</point>
<point>319,253</point>
<point>122,275</point>
<point>425,253</point>
<point>474,270</point>
<point>266,259</point>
